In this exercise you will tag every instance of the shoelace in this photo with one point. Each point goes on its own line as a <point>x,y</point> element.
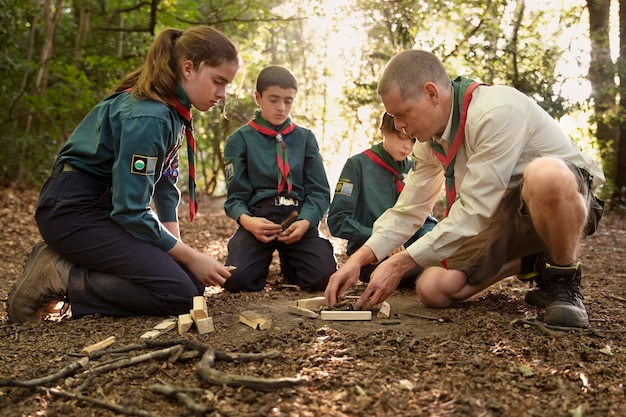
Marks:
<point>563,289</point>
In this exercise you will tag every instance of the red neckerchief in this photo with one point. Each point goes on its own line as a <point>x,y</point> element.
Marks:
<point>448,159</point>
<point>284,174</point>
<point>185,113</point>
<point>396,175</point>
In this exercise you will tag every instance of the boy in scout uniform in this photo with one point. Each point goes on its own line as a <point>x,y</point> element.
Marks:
<point>369,184</point>
<point>273,169</point>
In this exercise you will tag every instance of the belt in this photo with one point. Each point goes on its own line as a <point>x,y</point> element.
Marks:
<point>68,168</point>
<point>281,200</point>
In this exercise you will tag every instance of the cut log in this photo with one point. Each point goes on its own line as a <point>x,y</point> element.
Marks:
<point>184,323</point>
<point>384,310</point>
<point>199,310</point>
<point>345,315</point>
<point>255,320</point>
<point>98,346</point>
<point>205,325</point>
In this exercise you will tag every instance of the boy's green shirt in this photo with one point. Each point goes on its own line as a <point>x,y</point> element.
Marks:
<point>251,171</point>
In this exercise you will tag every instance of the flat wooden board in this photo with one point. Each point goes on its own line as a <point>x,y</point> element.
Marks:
<point>311,303</point>
<point>345,315</point>
<point>300,311</point>
<point>255,320</point>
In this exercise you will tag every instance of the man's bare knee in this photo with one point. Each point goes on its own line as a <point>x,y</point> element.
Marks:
<point>437,287</point>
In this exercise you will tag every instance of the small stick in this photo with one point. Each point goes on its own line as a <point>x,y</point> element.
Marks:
<point>68,370</point>
<point>422,316</point>
<point>118,409</point>
<point>289,220</point>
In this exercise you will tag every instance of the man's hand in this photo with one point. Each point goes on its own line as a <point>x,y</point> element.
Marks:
<point>384,280</point>
<point>341,281</point>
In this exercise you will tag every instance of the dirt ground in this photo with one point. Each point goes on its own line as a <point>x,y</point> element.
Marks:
<point>488,357</point>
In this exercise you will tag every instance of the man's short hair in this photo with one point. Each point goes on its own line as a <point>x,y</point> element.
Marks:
<point>275,75</point>
<point>410,70</point>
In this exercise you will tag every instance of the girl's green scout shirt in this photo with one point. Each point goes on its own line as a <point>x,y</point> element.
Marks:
<point>251,167</point>
<point>127,143</point>
<point>364,191</point>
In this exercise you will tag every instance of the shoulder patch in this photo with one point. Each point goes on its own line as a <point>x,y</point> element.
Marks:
<point>344,188</point>
<point>143,165</point>
<point>230,171</point>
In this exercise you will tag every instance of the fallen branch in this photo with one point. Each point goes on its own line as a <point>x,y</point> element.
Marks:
<point>129,411</point>
<point>540,326</point>
<point>68,370</point>
<point>163,353</point>
<point>180,394</point>
<point>548,328</point>
<point>215,377</point>
<point>614,297</point>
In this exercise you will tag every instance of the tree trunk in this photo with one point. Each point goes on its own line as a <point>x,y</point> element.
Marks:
<point>619,192</point>
<point>82,33</point>
<point>602,78</point>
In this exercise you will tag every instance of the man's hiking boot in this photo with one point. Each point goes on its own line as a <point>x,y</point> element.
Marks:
<point>565,308</point>
<point>532,271</point>
<point>43,282</point>
<point>537,296</point>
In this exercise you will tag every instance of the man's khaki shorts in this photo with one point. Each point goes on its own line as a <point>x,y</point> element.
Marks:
<point>511,235</point>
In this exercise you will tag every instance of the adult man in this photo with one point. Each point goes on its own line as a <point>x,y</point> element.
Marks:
<point>520,194</point>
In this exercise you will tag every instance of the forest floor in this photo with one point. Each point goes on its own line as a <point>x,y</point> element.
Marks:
<point>487,357</point>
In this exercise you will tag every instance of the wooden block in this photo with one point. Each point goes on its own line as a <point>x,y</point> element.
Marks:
<point>311,303</point>
<point>384,310</point>
<point>205,325</point>
<point>345,315</point>
<point>301,311</point>
<point>184,323</point>
<point>151,334</point>
<point>166,325</point>
<point>255,320</point>
<point>199,310</point>
<point>97,346</point>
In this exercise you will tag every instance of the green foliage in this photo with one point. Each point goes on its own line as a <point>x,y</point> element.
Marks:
<point>336,49</point>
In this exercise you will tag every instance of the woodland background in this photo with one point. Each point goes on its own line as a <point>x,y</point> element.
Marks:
<point>60,57</point>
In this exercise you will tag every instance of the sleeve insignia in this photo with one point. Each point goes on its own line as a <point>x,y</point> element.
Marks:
<point>344,188</point>
<point>230,171</point>
<point>143,165</point>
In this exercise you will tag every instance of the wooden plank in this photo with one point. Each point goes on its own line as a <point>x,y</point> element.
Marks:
<point>98,346</point>
<point>184,323</point>
<point>166,325</point>
<point>345,315</point>
<point>301,311</point>
<point>311,303</point>
<point>151,334</point>
<point>255,320</point>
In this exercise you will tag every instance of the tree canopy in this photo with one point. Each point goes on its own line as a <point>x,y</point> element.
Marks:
<point>61,58</point>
